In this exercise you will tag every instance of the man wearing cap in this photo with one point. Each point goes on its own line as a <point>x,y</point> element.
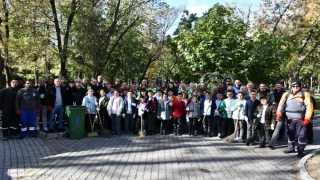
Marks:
<point>298,108</point>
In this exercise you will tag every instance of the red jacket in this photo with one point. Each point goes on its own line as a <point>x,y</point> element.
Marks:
<point>178,108</point>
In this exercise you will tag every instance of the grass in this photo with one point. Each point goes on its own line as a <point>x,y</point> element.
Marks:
<point>317,110</point>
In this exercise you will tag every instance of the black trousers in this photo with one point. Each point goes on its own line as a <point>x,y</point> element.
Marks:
<point>207,125</point>
<point>177,125</point>
<point>10,124</point>
<point>164,126</point>
<point>87,122</point>
<point>227,127</point>
<point>217,123</point>
<point>129,123</point>
<point>192,125</point>
<point>150,121</point>
<point>263,134</point>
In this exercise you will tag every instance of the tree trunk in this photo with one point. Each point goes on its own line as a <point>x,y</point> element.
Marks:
<point>63,49</point>
<point>145,71</point>
<point>8,75</point>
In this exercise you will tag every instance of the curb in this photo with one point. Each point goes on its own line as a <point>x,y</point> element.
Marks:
<point>302,169</point>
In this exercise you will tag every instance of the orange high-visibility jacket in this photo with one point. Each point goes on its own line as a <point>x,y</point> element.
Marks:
<point>295,103</point>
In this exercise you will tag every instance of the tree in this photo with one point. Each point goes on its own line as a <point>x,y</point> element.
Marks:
<point>63,45</point>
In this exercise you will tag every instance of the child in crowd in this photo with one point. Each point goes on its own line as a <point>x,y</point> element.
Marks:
<point>90,102</point>
<point>141,114</point>
<point>164,113</point>
<point>193,114</point>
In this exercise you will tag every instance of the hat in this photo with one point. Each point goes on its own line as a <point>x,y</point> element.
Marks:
<point>296,82</point>
<point>176,81</point>
<point>63,77</point>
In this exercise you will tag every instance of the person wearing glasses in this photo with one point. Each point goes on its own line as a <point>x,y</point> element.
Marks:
<point>27,106</point>
<point>10,120</point>
<point>298,108</point>
<point>227,82</point>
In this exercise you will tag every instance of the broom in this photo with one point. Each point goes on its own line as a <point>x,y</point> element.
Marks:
<point>141,132</point>
<point>91,134</point>
<point>104,132</point>
<point>231,137</point>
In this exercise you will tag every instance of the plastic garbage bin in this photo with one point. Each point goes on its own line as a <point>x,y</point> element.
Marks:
<point>75,116</point>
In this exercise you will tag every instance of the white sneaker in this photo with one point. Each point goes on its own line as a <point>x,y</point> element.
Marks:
<point>236,139</point>
<point>45,128</point>
<point>38,128</point>
<point>240,140</point>
<point>219,135</point>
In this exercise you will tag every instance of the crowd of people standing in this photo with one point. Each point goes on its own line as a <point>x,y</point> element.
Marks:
<point>227,108</point>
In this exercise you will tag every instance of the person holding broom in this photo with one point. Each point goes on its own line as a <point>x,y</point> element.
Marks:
<point>90,102</point>
<point>238,115</point>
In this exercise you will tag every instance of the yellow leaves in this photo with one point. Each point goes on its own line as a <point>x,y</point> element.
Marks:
<point>313,13</point>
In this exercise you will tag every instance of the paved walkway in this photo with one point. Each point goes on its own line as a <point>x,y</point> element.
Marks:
<point>151,157</point>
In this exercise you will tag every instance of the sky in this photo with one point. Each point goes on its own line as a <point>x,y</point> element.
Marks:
<point>201,6</point>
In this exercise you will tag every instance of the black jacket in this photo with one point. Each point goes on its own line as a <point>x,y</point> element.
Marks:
<point>103,105</point>
<point>8,99</point>
<point>213,106</point>
<point>51,96</point>
<point>250,109</point>
<point>77,95</point>
<point>42,90</point>
<point>125,105</point>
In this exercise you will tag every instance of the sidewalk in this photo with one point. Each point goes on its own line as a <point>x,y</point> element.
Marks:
<point>150,157</point>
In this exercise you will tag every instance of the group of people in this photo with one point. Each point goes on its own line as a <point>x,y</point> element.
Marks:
<point>226,109</point>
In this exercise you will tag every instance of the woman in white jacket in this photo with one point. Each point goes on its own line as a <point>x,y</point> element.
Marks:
<point>238,112</point>
<point>114,109</point>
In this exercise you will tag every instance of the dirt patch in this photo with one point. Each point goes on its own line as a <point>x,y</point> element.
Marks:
<point>313,166</point>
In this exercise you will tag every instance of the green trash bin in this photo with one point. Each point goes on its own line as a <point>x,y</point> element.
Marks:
<point>76,117</point>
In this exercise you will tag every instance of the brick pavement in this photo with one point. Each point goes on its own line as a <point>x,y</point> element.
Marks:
<point>151,157</point>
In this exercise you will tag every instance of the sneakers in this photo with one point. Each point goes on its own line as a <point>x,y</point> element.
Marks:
<point>219,135</point>
<point>38,128</point>
<point>238,139</point>
<point>45,129</point>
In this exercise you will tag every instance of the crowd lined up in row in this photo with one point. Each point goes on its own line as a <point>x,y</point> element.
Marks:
<point>223,110</point>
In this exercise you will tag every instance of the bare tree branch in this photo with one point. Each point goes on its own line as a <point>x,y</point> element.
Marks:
<point>280,17</point>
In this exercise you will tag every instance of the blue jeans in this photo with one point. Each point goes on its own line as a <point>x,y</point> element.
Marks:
<point>115,123</point>
<point>59,111</point>
<point>27,118</point>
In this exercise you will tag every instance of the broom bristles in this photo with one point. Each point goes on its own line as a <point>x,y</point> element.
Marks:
<point>230,138</point>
